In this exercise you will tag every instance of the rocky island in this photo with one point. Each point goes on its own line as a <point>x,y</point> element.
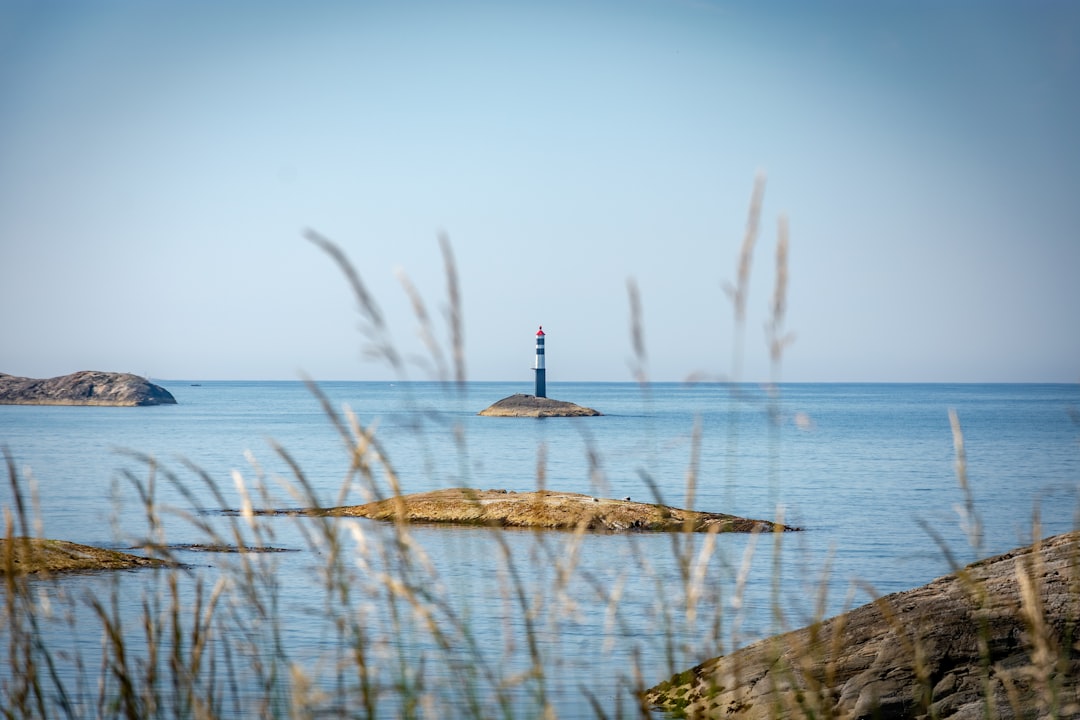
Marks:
<point>87,387</point>
<point>547,510</point>
<point>40,556</point>
<point>522,405</point>
<point>999,637</point>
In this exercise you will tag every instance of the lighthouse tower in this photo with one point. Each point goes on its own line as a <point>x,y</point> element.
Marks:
<point>541,380</point>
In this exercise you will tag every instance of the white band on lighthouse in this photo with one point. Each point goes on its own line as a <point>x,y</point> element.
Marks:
<point>541,379</point>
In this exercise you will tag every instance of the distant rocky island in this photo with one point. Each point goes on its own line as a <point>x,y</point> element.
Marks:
<point>87,387</point>
<point>522,405</point>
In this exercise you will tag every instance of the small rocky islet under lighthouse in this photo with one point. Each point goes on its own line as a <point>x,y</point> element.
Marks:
<point>538,404</point>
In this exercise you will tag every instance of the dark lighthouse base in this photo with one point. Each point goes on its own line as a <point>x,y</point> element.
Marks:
<point>522,405</point>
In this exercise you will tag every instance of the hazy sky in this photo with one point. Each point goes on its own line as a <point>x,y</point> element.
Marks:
<point>159,162</point>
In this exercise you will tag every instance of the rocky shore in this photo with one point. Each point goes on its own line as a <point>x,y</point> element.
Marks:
<point>998,639</point>
<point>87,387</point>
<point>522,405</point>
<point>547,510</point>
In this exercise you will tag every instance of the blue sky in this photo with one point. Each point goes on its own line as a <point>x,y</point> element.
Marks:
<point>159,162</point>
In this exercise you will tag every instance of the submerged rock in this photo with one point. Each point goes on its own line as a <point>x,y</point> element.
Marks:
<point>522,405</point>
<point>548,510</point>
<point>997,639</point>
<point>87,387</point>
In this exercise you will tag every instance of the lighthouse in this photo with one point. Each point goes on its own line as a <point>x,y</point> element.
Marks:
<point>538,405</point>
<point>541,380</point>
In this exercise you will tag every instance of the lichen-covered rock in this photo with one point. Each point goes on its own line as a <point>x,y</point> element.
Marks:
<point>522,405</point>
<point>547,510</point>
<point>998,639</point>
<point>87,387</point>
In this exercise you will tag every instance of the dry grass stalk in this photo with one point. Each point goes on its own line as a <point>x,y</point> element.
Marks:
<point>374,327</point>
<point>778,340</point>
<point>741,289</point>
<point>455,315</point>
<point>969,516</point>
<point>426,331</point>
<point>637,333</point>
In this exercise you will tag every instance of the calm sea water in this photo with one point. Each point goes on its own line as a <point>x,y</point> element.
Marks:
<point>867,470</point>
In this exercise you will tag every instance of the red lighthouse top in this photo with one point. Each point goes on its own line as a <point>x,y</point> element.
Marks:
<point>540,332</point>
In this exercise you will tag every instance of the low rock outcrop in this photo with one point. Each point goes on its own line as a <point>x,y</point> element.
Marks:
<point>548,510</point>
<point>522,405</point>
<point>1000,638</point>
<point>24,556</point>
<point>87,387</point>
